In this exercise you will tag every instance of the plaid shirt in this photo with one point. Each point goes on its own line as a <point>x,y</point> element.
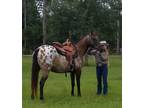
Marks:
<point>101,57</point>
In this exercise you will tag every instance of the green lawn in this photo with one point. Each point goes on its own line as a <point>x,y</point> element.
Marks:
<point>58,87</point>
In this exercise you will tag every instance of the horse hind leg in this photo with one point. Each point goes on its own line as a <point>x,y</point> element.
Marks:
<point>42,82</point>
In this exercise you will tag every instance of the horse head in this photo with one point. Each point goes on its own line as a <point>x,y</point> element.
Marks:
<point>93,39</point>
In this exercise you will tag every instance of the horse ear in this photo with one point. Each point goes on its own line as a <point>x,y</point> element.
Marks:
<point>91,33</point>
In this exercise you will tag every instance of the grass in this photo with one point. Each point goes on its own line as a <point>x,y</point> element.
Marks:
<point>58,87</point>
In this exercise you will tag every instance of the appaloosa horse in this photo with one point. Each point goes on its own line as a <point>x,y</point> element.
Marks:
<point>46,58</point>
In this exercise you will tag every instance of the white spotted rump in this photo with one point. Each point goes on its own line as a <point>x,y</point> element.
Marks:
<point>46,55</point>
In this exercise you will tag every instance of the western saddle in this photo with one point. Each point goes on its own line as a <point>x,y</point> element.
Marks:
<point>68,50</point>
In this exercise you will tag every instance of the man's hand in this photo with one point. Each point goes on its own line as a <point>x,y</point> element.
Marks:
<point>105,47</point>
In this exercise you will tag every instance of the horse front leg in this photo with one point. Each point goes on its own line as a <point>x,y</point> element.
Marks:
<point>78,75</point>
<point>72,83</point>
<point>42,82</point>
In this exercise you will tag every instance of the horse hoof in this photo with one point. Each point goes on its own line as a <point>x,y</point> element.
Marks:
<point>79,95</point>
<point>72,94</point>
<point>32,97</point>
<point>41,98</point>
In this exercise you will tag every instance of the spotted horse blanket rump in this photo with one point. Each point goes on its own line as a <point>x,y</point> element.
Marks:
<point>46,55</point>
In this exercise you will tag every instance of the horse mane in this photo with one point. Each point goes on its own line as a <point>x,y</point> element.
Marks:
<point>82,38</point>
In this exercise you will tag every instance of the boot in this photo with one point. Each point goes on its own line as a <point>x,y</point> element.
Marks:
<point>105,90</point>
<point>99,90</point>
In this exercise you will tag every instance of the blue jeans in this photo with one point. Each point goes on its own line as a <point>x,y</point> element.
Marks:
<point>102,73</point>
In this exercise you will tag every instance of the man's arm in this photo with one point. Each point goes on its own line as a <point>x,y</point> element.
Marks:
<point>104,55</point>
<point>92,51</point>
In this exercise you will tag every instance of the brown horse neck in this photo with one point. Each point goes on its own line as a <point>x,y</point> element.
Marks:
<point>82,46</point>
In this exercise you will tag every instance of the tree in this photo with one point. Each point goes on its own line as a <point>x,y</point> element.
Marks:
<point>31,21</point>
<point>77,17</point>
<point>24,25</point>
<point>44,22</point>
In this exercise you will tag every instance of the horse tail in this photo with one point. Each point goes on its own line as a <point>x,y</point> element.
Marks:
<point>34,74</point>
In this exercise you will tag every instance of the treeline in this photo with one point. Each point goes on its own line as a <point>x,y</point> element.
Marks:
<point>45,21</point>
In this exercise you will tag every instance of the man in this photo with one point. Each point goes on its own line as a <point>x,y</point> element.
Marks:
<point>101,55</point>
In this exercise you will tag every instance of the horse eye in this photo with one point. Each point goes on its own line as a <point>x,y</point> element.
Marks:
<point>94,39</point>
